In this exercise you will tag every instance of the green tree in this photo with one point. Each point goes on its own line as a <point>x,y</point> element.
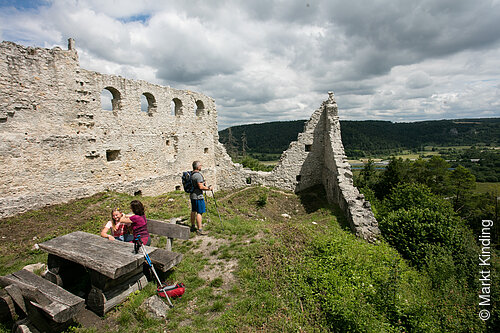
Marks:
<point>244,145</point>
<point>395,173</point>
<point>410,196</point>
<point>462,183</point>
<point>419,171</point>
<point>437,175</point>
<point>231,144</point>
<point>368,175</point>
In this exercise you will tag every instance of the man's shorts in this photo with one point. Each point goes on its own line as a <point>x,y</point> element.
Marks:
<point>198,206</point>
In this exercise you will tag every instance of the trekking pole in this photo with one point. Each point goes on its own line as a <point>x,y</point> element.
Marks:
<point>161,286</point>
<point>217,208</point>
<point>205,196</point>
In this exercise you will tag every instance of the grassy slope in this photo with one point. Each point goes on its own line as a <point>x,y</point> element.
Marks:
<point>304,273</point>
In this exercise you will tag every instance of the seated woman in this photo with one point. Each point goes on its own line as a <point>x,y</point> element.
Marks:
<point>119,231</point>
<point>138,222</point>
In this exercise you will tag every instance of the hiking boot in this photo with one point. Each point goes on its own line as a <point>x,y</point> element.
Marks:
<point>201,232</point>
<point>192,229</point>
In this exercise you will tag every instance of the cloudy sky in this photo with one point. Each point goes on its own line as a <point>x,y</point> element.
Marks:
<point>265,60</point>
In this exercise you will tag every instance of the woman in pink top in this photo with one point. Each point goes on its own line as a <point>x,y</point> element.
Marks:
<point>138,222</point>
<point>119,231</point>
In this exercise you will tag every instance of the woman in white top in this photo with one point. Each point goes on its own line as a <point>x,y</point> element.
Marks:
<point>119,231</point>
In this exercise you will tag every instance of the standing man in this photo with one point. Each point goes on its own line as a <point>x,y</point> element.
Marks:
<point>197,200</point>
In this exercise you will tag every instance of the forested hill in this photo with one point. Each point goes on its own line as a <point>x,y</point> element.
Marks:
<point>369,136</point>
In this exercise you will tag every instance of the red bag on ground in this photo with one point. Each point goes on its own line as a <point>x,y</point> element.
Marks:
<point>175,292</point>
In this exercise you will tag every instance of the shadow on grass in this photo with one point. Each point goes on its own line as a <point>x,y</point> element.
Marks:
<point>314,199</point>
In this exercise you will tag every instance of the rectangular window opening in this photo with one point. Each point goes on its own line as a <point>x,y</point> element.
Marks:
<point>308,147</point>
<point>112,155</point>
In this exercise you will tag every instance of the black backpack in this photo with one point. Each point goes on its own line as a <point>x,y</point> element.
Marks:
<point>187,181</point>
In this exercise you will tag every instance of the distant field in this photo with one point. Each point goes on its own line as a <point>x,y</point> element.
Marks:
<point>363,161</point>
<point>414,156</point>
<point>450,147</point>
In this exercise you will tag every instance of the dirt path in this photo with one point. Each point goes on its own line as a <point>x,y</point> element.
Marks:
<point>216,267</point>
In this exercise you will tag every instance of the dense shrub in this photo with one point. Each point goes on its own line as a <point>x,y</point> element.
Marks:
<point>365,288</point>
<point>410,196</point>
<point>418,223</point>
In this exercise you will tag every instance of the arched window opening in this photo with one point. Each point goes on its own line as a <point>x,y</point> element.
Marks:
<point>176,106</point>
<point>148,103</point>
<point>144,103</point>
<point>110,99</point>
<point>200,108</point>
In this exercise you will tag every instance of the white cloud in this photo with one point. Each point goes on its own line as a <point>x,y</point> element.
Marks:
<point>276,60</point>
<point>418,80</point>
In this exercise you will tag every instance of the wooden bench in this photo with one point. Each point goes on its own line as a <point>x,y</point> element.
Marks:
<point>168,229</point>
<point>48,306</point>
<point>165,259</point>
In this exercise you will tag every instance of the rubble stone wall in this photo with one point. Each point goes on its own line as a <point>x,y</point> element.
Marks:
<point>57,143</point>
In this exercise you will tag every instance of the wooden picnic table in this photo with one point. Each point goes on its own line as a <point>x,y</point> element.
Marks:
<point>115,270</point>
<point>111,258</point>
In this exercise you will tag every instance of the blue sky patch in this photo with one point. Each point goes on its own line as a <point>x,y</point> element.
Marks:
<point>24,4</point>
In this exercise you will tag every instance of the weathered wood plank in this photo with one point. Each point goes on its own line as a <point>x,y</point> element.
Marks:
<point>165,260</point>
<point>119,294</point>
<point>43,322</point>
<point>17,296</point>
<point>111,258</point>
<point>50,290</point>
<point>24,326</point>
<point>169,230</point>
<point>104,283</point>
<point>56,302</point>
<point>102,301</point>
<point>54,278</point>
<point>7,308</point>
<point>60,313</point>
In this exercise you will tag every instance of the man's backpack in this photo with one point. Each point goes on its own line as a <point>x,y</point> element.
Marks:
<point>187,181</point>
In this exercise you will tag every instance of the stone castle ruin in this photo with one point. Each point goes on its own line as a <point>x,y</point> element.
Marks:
<point>58,143</point>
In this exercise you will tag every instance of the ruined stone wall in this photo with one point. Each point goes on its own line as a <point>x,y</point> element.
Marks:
<point>337,178</point>
<point>57,143</point>
<point>316,158</point>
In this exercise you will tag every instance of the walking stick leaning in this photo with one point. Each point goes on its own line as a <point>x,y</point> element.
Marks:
<point>205,197</point>
<point>162,287</point>
<point>217,208</point>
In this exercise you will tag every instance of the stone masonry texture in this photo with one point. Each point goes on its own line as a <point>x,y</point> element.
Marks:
<point>58,143</point>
